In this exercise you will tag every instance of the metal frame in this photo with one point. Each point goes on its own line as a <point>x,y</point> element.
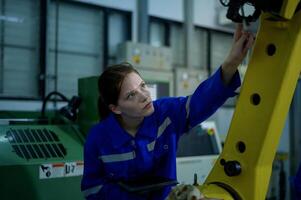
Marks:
<point>243,169</point>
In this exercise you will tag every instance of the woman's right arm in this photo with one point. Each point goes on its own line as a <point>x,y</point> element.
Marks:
<point>93,182</point>
<point>96,183</point>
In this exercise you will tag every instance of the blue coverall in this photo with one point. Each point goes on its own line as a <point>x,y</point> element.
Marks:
<point>111,154</point>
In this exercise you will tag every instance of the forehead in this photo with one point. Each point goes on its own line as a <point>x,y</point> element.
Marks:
<point>130,82</point>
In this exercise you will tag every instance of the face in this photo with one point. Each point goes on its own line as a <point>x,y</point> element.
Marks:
<point>134,99</point>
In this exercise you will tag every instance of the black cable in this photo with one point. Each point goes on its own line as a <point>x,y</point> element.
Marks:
<point>64,98</point>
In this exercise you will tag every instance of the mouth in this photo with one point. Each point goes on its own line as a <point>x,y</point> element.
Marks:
<point>148,105</point>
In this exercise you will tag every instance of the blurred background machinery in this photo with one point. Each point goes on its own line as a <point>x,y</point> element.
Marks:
<point>197,152</point>
<point>40,157</point>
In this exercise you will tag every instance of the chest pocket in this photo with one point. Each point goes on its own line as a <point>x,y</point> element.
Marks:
<point>163,143</point>
<point>165,146</point>
<point>117,165</point>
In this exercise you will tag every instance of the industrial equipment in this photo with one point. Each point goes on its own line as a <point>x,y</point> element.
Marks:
<point>88,114</point>
<point>197,152</point>
<point>187,80</point>
<point>161,80</point>
<point>244,167</point>
<point>145,56</point>
<point>40,157</point>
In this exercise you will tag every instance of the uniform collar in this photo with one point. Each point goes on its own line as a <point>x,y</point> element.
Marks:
<point>120,137</point>
<point>148,128</point>
<point>117,134</point>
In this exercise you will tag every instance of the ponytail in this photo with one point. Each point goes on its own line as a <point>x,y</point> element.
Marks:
<point>103,109</point>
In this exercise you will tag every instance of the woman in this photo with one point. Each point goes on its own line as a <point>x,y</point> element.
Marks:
<point>137,137</point>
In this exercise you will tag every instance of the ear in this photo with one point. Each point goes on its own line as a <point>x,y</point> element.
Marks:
<point>115,109</point>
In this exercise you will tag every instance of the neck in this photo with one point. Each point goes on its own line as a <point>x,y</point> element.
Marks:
<point>131,125</point>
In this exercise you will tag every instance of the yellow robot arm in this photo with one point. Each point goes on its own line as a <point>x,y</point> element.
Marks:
<point>244,167</point>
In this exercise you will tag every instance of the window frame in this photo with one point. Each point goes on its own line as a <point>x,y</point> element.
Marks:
<point>43,43</point>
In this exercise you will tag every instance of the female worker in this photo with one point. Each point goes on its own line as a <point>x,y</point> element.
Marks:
<point>137,138</point>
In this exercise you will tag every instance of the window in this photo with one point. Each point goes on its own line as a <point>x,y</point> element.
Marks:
<point>157,34</point>
<point>168,33</point>
<point>80,39</point>
<point>171,34</point>
<point>200,49</point>
<point>119,30</point>
<point>178,45</point>
<point>220,46</point>
<point>19,48</point>
<point>75,45</point>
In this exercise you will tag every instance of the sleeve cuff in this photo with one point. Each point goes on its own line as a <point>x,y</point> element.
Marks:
<point>228,90</point>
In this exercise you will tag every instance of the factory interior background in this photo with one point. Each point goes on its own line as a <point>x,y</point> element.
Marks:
<point>52,51</point>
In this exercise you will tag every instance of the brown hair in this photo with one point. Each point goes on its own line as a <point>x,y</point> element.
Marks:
<point>109,86</point>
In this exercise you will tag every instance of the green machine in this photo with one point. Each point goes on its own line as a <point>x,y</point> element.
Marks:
<point>39,161</point>
<point>42,158</point>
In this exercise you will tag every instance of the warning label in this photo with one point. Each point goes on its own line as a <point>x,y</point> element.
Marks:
<point>57,170</point>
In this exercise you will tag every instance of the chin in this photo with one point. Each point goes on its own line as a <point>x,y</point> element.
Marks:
<point>149,112</point>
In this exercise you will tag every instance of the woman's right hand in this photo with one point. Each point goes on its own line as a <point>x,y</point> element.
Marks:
<point>242,42</point>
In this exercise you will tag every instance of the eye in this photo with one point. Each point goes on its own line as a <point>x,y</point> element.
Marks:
<point>143,85</point>
<point>131,95</point>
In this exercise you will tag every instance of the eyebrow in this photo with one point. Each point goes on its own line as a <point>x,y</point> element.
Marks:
<point>128,93</point>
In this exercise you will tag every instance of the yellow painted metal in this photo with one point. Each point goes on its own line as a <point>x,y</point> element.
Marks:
<point>288,8</point>
<point>216,191</point>
<point>273,79</point>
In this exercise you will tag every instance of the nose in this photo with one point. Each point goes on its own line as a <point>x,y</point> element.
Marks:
<point>144,96</point>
